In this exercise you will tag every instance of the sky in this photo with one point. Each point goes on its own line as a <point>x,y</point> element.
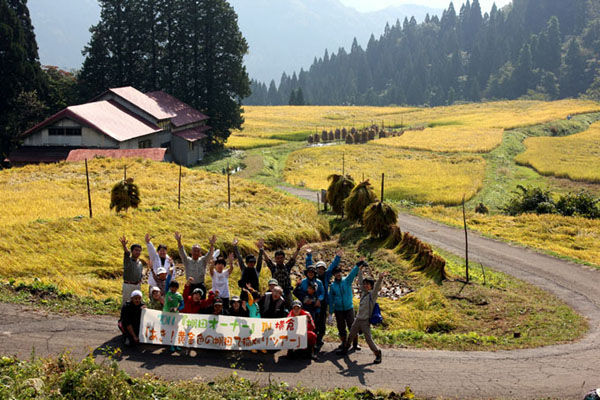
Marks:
<point>372,5</point>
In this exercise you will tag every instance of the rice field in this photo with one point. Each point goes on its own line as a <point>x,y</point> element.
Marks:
<point>572,237</point>
<point>415,176</point>
<point>449,138</point>
<point>297,122</point>
<point>247,143</point>
<point>46,231</point>
<point>576,157</point>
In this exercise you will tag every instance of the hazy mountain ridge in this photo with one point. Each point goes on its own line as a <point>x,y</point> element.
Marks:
<point>283,35</point>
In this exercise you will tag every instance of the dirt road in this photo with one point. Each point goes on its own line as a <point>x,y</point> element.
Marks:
<point>561,371</point>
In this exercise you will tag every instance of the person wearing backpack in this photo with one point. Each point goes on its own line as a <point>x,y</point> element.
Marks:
<point>369,290</point>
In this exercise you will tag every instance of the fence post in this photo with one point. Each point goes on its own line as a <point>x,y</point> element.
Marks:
<point>87,178</point>
<point>324,199</point>
<point>125,172</point>
<point>228,188</point>
<point>466,238</point>
<point>382,180</point>
<point>179,191</point>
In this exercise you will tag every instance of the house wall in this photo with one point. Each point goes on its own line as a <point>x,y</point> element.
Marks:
<point>160,139</point>
<point>89,137</point>
<point>182,154</point>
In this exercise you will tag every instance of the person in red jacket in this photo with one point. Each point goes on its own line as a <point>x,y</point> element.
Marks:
<point>297,311</point>
<point>192,302</point>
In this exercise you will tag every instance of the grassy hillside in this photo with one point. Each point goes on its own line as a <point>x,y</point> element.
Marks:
<point>46,231</point>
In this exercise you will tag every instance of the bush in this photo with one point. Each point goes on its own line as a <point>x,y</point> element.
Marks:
<point>582,204</point>
<point>379,218</point>
<point>359,199</point>
<point>530,200</point>
<point>124,195</point>
<point>339,189</point>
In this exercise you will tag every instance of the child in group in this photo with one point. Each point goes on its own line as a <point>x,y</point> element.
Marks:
<point>194,302</point>
<point>253,309</point>
<point>173,303</point>
<point>157,301</point>
<point>310,301</point>
<point>220,278</point>
<point>297,311</point>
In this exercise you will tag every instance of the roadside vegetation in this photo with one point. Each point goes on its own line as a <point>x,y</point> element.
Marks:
<point>90,378</point>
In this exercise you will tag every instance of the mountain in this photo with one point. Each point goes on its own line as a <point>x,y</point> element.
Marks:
<point>283,35</point>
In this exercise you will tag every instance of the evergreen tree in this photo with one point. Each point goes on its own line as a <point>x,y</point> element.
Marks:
<point>573,79</point>
<point>523,75</point>
<point>21,77</point>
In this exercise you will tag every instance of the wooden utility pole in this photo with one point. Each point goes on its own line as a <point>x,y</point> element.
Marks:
<point>343,164</point>
<point>179,192</point>
<point>382,181</point>
<point>87,178</point>
<point>125,172</point>
<point>228,188</point>
<point>466,239</point>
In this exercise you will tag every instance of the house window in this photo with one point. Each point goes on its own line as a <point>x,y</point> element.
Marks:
<point>62,131</point>
<point>145,144</point>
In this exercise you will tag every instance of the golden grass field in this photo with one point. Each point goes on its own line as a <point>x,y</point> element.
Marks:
<point>246,143</point>
<point>418,176</point>
<point>448,138</point>
<point>576,157</point>
<point>297,122</point>
<point>46,232</point>
<point>572,237</point>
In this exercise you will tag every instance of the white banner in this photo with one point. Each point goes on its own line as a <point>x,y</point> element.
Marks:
<point>222,332</point>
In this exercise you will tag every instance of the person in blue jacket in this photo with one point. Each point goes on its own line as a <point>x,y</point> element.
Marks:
<point>324,275</point>
<point>340,301</point>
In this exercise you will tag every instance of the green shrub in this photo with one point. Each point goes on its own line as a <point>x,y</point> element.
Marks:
<point>379,218</point>
<point>359,199</point>
<point>530,200</point>
<point>581,204</point>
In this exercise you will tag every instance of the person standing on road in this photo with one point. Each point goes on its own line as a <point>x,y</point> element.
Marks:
<point>195,266</point>
<point>281,272</point>
<point>324,275</point>
<point>132,269</point>
<point>340,301</point>
<point>131,315</point>
<point>369,290</point>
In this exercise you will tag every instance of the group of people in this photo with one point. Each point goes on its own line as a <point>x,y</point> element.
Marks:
<point>324,290</point>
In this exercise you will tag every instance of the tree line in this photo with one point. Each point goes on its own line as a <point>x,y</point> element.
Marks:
<point>192,49</point>
<point>542,49</point>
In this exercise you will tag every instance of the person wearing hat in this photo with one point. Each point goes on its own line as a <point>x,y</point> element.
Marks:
<point>311,336</point>
<point>340,301</point>
<point>281,271</point>
<point>161,279</point>
<point>312,301</point>
<point>157,301</point>
<point>238,308</point>
<point>220,277</point>
<point>593,395</point>
<point>131,315</point>
<point>195,266</point>
<point>218,308</point>
<point>158,258</point>
<point>324,274</point>
<point>369,291</point>
<point>194,301</point>
<point>249,267</point>
<point>272,283</point>
<point>132,270</point>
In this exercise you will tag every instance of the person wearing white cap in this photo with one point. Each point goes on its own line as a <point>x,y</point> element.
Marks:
<point>158,258</point>
<point>131,314</point>
<point>157,300</point>
<point>593,395</point>
<point>297,311</point>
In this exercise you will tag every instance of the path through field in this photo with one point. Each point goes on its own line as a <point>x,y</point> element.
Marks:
<point>561,371</point>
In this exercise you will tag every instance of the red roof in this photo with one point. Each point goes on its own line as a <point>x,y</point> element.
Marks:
<point>183,113</point>
<point>193,134</point>
<point>106,117</point>
<point>144,102</point>
<point>41,154</point>
<point>156,154</point>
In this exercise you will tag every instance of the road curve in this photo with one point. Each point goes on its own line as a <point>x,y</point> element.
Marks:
<point>560,371</point>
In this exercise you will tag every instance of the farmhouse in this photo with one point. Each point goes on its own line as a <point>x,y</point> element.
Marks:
<point>120,119</point>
